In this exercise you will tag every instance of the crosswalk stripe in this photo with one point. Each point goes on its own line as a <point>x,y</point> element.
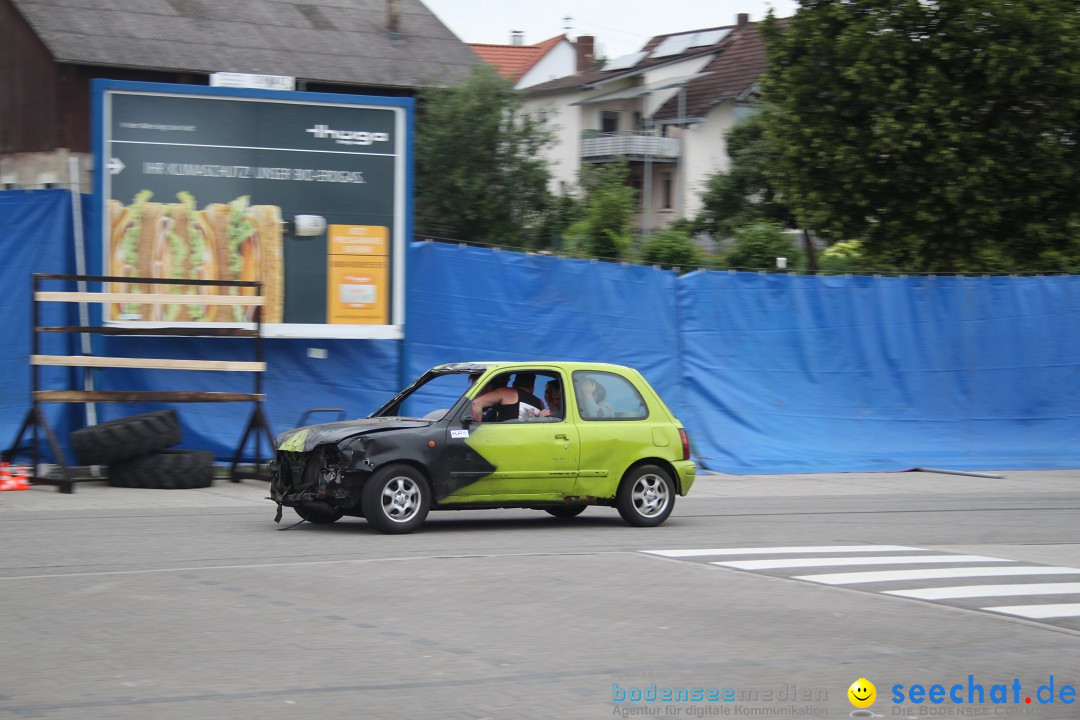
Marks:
<point>778,550</point>
<point>1039,612</point>
<point>970,591</point>
<point>872,576</point>
<point>873,560</point>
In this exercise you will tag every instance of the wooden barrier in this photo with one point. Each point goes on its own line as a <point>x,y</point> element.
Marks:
<point>35,419</point>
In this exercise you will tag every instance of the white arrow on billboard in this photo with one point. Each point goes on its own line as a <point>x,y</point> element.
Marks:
<point>116,165</point>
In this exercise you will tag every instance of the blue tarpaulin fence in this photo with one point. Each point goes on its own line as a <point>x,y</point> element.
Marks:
<point>770,373</point>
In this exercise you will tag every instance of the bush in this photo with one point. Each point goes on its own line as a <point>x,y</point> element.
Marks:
<point>757,246</point>
<point>843,257</point>
<point>604,228</point>
<point>671,248</point>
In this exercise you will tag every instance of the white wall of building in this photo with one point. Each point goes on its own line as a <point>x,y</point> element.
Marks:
<point>704,153</point>
<point>558,62</point>
<point>564,155</point>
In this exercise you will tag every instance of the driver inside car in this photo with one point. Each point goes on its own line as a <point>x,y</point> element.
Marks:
<point>509,403</point>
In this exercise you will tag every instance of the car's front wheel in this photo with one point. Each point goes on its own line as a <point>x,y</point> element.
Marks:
<point>318,513</point>
<point>396,499</point>
<point>646,496</point>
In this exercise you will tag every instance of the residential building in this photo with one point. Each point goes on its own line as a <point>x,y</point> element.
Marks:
<point>52,49</point>
<point>666,109</point>
<point>528,65</point>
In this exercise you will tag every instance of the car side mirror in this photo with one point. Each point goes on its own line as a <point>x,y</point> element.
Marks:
<point>467,420</point>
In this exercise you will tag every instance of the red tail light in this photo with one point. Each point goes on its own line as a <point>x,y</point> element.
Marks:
<point>685,444</point>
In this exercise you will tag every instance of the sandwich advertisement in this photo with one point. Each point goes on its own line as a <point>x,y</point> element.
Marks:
<point>306,193</point>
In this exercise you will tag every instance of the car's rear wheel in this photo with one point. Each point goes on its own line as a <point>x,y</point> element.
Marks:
<point>646,496</point>
<point>396,499</point>
<point>566,511</point>
<point>318,513</point>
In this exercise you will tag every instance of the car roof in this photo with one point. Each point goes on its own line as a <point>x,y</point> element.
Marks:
<point>569,365</point>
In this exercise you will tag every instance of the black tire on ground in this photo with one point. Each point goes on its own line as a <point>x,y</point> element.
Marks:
<point>118,440</point>
<point>565,511</point>
<point>166,470</point>
<point>396,499</point>
<point>646,496</point>
<point>318,513</point>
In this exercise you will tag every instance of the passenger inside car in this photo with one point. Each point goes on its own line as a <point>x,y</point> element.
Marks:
<point>591,397</point>
<point>553,396</point>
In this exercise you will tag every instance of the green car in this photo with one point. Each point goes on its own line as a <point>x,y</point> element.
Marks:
<point>469,436</point>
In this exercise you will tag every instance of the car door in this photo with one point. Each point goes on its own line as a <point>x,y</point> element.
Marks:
<point>615,429</point>
<point>515,460</point>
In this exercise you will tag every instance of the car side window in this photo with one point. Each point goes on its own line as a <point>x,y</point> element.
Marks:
<point>537,397</point>
<point>607,396</point>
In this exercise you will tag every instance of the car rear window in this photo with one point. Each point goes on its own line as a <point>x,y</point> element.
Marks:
<point>616,398</point>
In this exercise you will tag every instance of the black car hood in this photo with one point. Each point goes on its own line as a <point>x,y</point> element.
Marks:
<point>305,439</point>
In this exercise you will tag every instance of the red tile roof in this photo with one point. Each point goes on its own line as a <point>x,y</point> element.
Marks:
<point>513,61</point>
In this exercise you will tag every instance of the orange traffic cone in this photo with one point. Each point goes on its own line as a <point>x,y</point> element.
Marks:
<point>6,482</point>
<point>21,481</point>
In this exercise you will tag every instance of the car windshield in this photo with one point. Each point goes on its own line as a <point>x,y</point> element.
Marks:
<point>429,398</point>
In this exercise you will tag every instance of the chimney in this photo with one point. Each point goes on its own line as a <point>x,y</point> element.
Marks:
<point>586,55</point>
<point>742,18</point>
<point>393,18</point>
<point>517,37</point>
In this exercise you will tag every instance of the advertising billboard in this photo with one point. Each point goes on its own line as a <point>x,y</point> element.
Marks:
<point>307,193</point>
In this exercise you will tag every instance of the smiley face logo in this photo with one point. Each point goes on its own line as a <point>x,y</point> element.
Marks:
<point>862,693</point>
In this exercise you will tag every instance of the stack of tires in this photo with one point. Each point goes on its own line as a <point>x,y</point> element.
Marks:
<point>135,450</point>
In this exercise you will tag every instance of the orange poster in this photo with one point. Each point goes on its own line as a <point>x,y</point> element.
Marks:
<point>358,284</point>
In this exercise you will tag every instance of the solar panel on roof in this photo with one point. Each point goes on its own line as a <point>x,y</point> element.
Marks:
<point>709,37</point>
<point>625,61</point>
<point>678,44</point>
<point>673,45</point>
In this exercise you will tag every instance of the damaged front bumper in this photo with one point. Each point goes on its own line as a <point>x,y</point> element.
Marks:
<point>298,478</point>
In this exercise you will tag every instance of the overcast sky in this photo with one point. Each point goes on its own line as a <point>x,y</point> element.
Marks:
<point>620,26</point>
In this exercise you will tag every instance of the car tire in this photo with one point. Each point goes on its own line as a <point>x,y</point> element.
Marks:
<point>125,438</point>
<point>565,511</point>
<point>396,499</point>
<point>167,470</point>
<point>319,513</point>
<point>646,496</point>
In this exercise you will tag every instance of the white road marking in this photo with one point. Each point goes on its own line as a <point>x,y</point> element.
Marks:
<point>779,550</point>
<point>873,560</point>
<point>852,578</point>
<point>970,591</point>
<point>1039,611</point>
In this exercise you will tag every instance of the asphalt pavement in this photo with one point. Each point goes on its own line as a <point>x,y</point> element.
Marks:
<point>762,596</point>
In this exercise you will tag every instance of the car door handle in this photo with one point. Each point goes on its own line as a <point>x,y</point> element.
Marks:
<point>562,437</point>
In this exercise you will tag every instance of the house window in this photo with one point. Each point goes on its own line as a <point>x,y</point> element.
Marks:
<point>665,190</point>
<point>744,110</point>
<point>609,121</point>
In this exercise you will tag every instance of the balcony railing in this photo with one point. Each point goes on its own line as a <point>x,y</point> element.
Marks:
<point>634,145</point>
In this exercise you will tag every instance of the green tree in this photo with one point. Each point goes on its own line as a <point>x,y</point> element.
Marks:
<point>480,172</point>
<point>670,248</point>
<point>561,212</point>
<point>743,194</point>
<point>757,246</point>
<point>940,133</point>
<point>604,230</point>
